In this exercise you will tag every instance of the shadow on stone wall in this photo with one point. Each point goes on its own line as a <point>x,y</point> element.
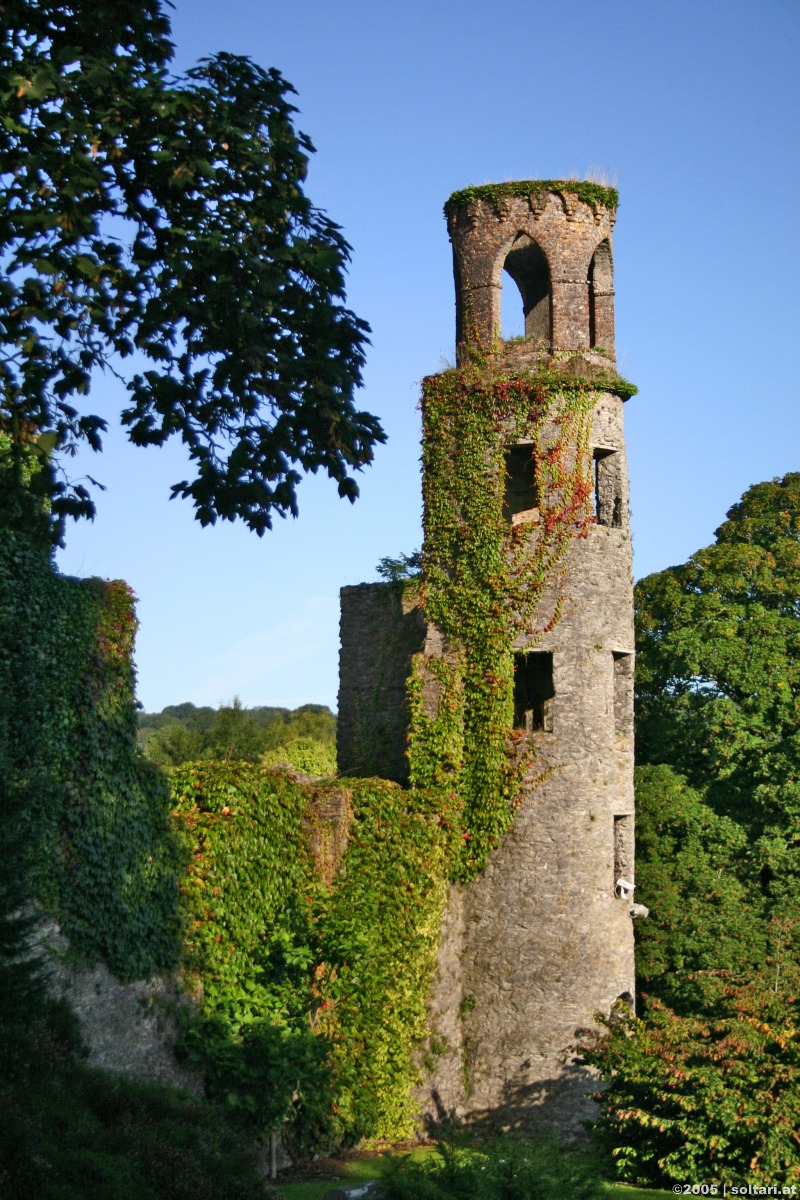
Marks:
<point>560,1106</point>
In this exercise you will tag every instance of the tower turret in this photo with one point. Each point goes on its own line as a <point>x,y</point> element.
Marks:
<point>519,653</point>
<point>553,240</point>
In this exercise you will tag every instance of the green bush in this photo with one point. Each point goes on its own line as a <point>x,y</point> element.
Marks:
<point>712,1096</point>
<point>304,754</point>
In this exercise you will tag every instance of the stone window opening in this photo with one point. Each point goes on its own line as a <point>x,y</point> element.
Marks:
<point>533,691</point>
<point>601,283</point>
<point>520,496</point>
<point>607,497</point>
<point>623,691</point>
<point>527,266</point>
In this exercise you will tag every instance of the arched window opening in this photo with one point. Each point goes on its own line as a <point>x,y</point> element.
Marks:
<point>527,266</point>
<point>601,283</point>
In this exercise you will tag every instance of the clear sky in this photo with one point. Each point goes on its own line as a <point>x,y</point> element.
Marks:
<point>690,108</point>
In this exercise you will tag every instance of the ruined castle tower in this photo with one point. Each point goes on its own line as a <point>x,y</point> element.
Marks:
<point>542,940</point>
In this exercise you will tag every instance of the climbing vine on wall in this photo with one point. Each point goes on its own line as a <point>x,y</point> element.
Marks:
<point>310,977</point>
<point>485,577</point>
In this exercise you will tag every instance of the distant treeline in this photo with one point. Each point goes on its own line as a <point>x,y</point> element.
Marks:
<point>185,733</point>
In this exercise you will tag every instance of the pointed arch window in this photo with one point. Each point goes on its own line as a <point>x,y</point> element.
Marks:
<point>527,265</point>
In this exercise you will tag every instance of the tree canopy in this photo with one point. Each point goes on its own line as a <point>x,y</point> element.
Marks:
<point>718,662</point>
<point>159,223</point>
<point>183,733</point>
<point>707,1087</point>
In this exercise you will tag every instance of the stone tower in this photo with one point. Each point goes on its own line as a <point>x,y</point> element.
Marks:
<point>542,940</point>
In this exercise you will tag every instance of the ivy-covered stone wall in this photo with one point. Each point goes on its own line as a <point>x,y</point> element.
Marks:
<point>92,815</point>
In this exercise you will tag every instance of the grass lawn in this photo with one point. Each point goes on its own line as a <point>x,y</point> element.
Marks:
<point>362,1170</point>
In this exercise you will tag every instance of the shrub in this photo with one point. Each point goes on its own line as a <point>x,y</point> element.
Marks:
<point>505,1169</point>
<point>712,1097</point>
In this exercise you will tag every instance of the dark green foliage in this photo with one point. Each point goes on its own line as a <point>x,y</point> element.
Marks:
<point>718,662</point>
<point>183,733</point>
<point>311,981</point>
<point>591,193</point>
<point>692,867</point>
<point>718,698</point>
<point>395,570</point>
<point>706,1085</point>
<point>69,1132</point>
<point>506,1169</point>
<point>90,816</point>
<point>164,217</point>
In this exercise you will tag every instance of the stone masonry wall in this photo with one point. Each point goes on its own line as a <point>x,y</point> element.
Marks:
<point>541,939</point>
<point>568,232</point>
<point>381,629</point>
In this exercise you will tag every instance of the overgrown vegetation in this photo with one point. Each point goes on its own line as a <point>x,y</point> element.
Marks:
<point>705,1084</point>
<point>69,1131</point>
<point>593,194</point>
<point>504,1169</point>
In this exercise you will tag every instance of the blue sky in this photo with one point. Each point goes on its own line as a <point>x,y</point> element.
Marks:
<point>690,109</point>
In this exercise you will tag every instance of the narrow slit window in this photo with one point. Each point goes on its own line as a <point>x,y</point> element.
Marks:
<point>623,848</point>
<point>607,490</point>
<point>533,691</point>
<point>520,500</point>
<point>623,692</point>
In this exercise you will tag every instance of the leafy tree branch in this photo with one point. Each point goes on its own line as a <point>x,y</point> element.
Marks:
<point>161,221</point>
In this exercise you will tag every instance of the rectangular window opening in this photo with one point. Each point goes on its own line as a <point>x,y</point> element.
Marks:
<point>520,501</point>
<point>623,692</point>
<point>533,691</point>
<point>607,498</point>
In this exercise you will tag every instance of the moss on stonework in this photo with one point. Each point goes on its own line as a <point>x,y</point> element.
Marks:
<point>594,194</point>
